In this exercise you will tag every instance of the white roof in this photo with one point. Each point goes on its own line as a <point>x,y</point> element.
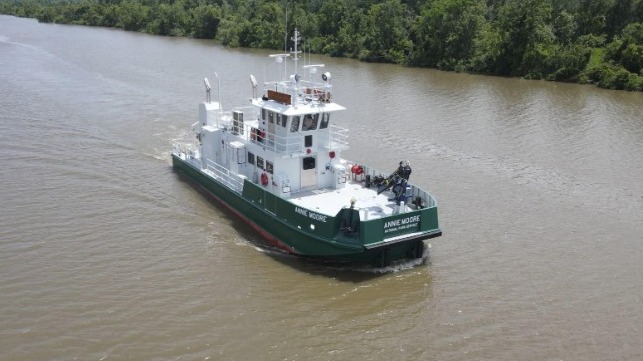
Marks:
<point>298,109</point>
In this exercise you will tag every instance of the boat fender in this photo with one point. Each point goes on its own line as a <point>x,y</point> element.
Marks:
<point>264,179</point>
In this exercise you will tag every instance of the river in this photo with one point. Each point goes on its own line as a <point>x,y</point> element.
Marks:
<point>106,254</point>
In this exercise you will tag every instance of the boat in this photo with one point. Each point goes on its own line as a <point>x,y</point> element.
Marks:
<point>276,164</point>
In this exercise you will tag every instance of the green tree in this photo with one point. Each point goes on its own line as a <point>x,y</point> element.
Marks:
<point>628,49</point>
<point>525,32</point>
<point>133,15</point>
<point>597,41</point>
<point>229,32</point>
<point>386,37</point>
<point>168,20</point>
<point>564,27</point>
<point>266,28</point>
<point>446,31</point>
<point>618,16</point>
<point>350,40</point>
<point>206,19</point>
<point>590,16</point>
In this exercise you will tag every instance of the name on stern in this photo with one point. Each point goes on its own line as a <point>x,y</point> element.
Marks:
<point>311,215</point>
<point>402,223</point>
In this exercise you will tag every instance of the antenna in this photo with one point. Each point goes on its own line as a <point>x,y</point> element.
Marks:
<point>286,32</point>
<point>296,40</point>
<point>218,86</point>
<point>286,43</point>
<point>218,91</point>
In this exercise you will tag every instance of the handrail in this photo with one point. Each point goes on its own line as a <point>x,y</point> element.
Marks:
<point>212,168</point>
<point>222,174</point>
<point>289,144</point>
<point>338,134</point>
<point>303,90</point>
<point>415,190</point>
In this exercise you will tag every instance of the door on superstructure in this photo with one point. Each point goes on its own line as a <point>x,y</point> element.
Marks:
<point>308,172</point>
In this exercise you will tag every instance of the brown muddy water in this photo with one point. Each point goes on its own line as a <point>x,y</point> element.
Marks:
<point>105,254</point>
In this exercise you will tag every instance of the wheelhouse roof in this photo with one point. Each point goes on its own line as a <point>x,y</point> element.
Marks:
<point>297,109</point>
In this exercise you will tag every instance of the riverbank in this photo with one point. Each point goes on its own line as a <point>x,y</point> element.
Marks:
<point>532,40</point>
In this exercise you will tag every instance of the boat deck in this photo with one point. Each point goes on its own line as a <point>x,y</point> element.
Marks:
<point>329,201</point>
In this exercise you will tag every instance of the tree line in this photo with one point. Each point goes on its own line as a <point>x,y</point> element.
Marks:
<point>583,41</point>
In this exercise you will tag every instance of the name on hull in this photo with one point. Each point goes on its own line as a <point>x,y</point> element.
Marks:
<point>401,224</point>
<point>311,215</point>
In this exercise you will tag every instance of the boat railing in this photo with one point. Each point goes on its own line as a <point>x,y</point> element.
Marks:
<point>335,137</point>
<point>338,136</point>
<point>292,142</point>
<point>224,176</point>
<point>289,144</point>
<point>302,91</point>
<point>187,152</point>
<point>416,191</point>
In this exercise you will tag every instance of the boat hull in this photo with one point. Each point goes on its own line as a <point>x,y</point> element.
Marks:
<point>279,223</point>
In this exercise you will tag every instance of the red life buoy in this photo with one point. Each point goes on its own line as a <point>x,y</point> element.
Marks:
<point>357,169</point>
<point>264,179</point>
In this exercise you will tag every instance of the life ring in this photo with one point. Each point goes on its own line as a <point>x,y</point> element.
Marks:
<point>264,179</point>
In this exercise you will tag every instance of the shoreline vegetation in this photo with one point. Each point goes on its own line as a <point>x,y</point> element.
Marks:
<point>579,41</point>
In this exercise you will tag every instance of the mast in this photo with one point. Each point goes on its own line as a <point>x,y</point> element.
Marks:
<point>296,40</point>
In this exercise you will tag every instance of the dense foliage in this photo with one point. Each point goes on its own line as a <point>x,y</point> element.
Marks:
<point>587,41</point>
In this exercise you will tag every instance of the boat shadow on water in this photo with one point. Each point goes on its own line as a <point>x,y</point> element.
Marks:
<point>342,271</point>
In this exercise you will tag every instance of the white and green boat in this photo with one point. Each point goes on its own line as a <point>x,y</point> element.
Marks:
<point>276,163</point>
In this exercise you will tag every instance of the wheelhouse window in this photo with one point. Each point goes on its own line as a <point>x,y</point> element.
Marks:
<point>309,163</point>
<point>284,120</point>
<point>269,167</point>
<point>310,122</point>
<point>324,121</point>
<point>259,162</point>
<point>251,158</point>
<point>294,125</point>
